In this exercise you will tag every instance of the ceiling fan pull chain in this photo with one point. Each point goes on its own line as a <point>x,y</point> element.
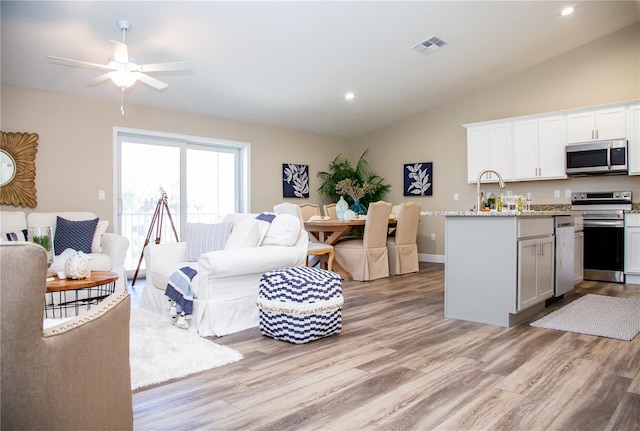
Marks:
<point>122,101</point>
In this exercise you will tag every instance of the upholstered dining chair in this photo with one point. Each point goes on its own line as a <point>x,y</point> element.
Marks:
<point>74,375</point>
<point>309,210</point>
<point>402,247</point>
<point>318,249</point>
<point>366,258</point>
<point>330,211</point>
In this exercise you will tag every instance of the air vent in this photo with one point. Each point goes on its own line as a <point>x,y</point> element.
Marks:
<point>430,45</point>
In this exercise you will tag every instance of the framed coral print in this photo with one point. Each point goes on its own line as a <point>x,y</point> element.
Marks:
<point>418,179</point>
<point>295,180</point>
<point>18,169</point>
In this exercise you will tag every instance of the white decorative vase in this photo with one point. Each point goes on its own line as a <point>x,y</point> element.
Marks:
<point>341,208</point>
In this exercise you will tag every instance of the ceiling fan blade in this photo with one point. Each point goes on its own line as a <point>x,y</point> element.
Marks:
<point>120,52</point>
<point>80,63</point>
<point>151,81</point>
<point>166,67</point>
<point>98,79</point>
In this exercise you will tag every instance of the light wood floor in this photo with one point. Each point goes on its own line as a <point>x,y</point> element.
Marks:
<point>400,365</point>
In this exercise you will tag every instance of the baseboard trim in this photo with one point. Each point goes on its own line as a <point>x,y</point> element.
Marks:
<point>629,278</point>
<point>435,258</point>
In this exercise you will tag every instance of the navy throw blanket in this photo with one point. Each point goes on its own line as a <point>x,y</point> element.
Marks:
<point>179,289</point>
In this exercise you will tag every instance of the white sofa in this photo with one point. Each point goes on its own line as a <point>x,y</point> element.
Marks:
<point>225,288</point>
<point>108,249</point>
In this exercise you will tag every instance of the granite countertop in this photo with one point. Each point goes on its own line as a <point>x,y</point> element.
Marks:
<point>539,210</point>
<point>547,213</point>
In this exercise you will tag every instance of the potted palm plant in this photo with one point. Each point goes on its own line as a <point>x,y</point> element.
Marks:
<point>364,185</point>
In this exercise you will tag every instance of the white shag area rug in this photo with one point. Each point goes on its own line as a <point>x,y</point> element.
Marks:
<point>603,316</point>
<point>160,351</point>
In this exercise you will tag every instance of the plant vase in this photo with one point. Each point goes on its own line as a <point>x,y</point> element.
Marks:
<point>341,207</point>
<point>358,208</point>
<point>43,237</point>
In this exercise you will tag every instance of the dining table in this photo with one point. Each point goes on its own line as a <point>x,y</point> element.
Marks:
<point>331,231</point>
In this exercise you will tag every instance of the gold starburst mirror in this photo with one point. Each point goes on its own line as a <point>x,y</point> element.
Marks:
<point>18,169</point>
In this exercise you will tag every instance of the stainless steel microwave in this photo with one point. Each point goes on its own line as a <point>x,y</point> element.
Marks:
<point>597,158</point>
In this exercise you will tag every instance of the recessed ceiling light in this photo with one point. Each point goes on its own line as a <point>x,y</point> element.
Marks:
<point>567,11</point>
<point>349,96</point>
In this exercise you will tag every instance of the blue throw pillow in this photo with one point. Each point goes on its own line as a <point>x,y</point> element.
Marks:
<point>76,235</point>
<point>268,217</point>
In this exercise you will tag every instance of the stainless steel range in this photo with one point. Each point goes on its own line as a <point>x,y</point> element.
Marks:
<point>603,233</point>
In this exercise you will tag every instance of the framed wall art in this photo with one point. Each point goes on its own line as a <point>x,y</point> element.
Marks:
<point>418,179</point>
<point>18,169</point>
<point>295,180</point>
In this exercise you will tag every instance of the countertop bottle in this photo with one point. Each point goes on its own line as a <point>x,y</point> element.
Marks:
<point>499,203</point>
<point>491,201</point>
<point>519,204</point>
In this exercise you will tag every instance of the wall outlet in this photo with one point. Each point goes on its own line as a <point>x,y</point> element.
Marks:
<point>455,196</point>
<point>567,193</point>
<point>556,194</point>
<point>433,237</point>
<point>101,195</point>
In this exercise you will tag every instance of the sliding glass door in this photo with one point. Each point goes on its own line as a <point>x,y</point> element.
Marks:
<point>165,181</point>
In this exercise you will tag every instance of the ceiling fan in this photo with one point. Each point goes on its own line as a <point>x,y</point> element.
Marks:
<point>124,71</point>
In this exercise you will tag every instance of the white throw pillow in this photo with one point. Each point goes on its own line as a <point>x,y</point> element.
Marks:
<point>205,237</point>
<point>101,228</point>
<point>284,230</point>
<point>245,234</point>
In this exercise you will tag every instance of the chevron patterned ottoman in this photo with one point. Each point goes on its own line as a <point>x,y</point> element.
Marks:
<point>300,304</point>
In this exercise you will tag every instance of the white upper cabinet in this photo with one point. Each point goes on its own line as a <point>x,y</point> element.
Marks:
<point>596,125</point>
<point>489,146</point>
<point>533,147</point>
<point>634,140</point>
<point>538,148</point>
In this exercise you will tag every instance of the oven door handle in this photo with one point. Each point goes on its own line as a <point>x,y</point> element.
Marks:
<point>604,223</point>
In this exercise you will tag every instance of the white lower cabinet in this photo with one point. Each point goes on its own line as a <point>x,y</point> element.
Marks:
<point>632,246</point>
<point>535,271</point>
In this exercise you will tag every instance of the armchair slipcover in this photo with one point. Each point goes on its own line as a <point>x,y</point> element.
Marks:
<point>367,258</point>
<point>73,376</point>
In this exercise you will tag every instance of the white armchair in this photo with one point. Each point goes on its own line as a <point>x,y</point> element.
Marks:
<point>225,288</point>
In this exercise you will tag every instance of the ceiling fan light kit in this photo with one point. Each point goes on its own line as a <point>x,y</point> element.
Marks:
<point>124,71</point>
<point>122,78</point>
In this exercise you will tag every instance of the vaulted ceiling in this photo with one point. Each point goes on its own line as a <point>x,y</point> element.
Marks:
<point>290,64</point>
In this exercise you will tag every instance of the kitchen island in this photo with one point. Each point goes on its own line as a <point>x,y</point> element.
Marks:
<point>499,267</point>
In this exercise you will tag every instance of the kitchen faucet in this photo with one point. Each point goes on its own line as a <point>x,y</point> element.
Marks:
<point>484,171</point>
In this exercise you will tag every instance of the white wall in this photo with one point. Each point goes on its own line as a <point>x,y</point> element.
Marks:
<point>605,71</point>
<point>75,147</point>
